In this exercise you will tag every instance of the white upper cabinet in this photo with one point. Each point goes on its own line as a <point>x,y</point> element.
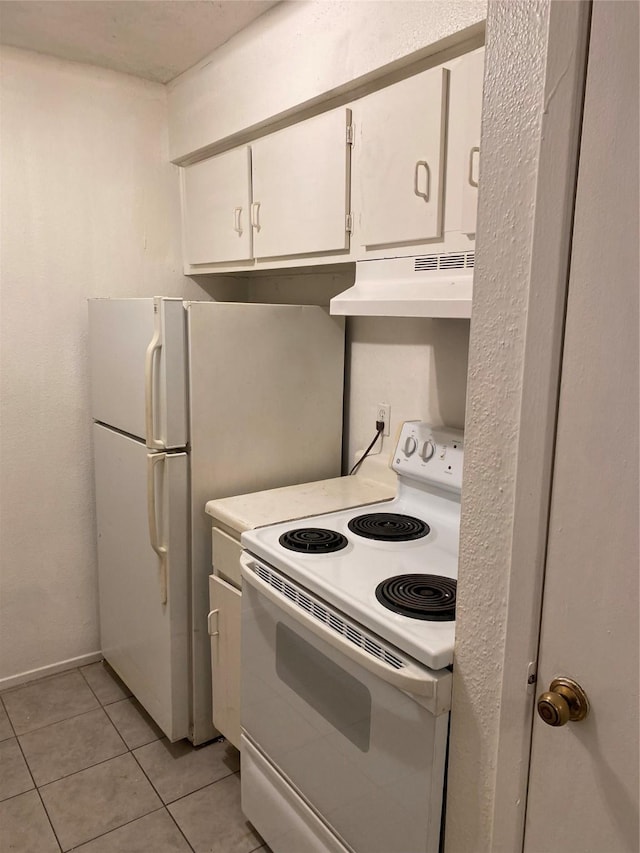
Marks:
<point>471,71</point>
<point>216,208</point>
<point>401,157</point>
<point>301,188</point>
<point>348,184</point>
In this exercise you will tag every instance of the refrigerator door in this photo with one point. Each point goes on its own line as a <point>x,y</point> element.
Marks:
<point>265,392</point>
<point>143,572</point>
<point>137,358</point>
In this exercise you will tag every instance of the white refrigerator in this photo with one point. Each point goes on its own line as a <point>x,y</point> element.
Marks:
<point>193,401</point>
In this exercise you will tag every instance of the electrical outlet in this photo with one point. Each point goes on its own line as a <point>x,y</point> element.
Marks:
<point>383,413</point>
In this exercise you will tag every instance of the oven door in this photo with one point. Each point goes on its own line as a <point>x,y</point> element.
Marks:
<point>346,719</point>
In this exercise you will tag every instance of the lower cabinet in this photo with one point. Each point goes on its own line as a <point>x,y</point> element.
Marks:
<point>224,631</point>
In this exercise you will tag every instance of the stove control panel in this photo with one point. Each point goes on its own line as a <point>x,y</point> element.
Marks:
<point>430,454</point>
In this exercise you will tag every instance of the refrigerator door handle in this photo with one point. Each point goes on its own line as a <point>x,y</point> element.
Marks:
<point>153,460</point>
<point>150,361</point>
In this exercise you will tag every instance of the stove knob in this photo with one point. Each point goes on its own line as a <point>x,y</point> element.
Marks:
<point>410,446</point>
<point>428,450</point>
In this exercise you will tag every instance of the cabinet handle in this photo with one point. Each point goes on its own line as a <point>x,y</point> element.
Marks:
<point>255,215</point>
<point>474,150</point>
<point>236,218</point>
<point>212,633</point>
<point>425,194</point>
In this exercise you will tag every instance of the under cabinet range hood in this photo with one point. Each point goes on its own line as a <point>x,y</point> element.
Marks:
<point>423,286</point>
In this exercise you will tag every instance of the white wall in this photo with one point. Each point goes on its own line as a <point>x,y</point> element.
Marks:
<point>417,365</point>
<point>299,53</point>
<point>88,209</point>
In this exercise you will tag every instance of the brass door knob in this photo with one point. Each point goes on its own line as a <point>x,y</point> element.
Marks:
<point>565,702</point>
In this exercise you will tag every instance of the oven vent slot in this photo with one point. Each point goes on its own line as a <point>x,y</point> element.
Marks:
<point>328,617</point>
<point>450,261</point>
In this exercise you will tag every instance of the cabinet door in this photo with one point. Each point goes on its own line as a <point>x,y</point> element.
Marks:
<point>301,183</point>
<point>400,150</point>
<point>224,628</point>
<point>216,195</point>
<point>472,71</point>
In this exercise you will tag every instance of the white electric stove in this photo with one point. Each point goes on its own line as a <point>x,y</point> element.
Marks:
<point>348,632</point>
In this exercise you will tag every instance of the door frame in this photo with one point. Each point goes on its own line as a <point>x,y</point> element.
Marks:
<point>535,71</point>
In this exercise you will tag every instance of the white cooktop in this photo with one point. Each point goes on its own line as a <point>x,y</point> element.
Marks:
<point>425,460</point>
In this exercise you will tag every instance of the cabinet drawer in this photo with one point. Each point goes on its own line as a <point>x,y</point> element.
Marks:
<point>226,557</point>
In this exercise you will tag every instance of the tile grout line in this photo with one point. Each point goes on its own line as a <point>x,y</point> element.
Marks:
<point>88,767</point>
<point>53,829</point>
<point>63,720</point>
<point>179,829</point>
<point>114,829</point>
<point>71,717</point>
<point>97,764</point>
<point>127,749</point>
<point>135,758</point>
<point>104,704</point>
<point>24,757</point>
<point>35,787</point>
<point>201,788</point>
<point>130,751</point>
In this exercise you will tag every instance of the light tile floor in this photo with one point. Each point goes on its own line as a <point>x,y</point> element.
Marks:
<point>83,767</point>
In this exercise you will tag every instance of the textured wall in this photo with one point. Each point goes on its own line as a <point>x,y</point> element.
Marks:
<point>514,345</point>
<point>88,209</point>
<point>295,53</point>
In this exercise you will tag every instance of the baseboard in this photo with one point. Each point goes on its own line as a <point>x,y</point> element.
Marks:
<point>52,669</point>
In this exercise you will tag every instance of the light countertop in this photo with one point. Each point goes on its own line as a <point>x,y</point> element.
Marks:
<point>257,509</point>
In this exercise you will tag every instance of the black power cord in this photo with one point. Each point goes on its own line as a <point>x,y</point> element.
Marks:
<point>380,430</point>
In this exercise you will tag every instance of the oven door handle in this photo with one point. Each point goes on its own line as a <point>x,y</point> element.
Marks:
<point>432,689</point>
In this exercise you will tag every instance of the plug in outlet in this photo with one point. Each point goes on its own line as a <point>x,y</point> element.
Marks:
<point>383,413</point>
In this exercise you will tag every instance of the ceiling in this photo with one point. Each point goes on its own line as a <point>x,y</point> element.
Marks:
<point>154,39</point>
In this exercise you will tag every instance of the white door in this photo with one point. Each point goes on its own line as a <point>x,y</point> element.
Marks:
<point>400,149</point>
<point>137,363</point>
<point>583,786</point>
<point>301,184</point>
<point>216,195</point>
<point>142,526</point>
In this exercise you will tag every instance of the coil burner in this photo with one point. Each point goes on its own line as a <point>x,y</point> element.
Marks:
<point>429,597</point>
<point>388,527</point>
<point>313,540</point>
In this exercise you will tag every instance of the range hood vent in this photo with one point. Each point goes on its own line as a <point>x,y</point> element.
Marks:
<point>424,286</point>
